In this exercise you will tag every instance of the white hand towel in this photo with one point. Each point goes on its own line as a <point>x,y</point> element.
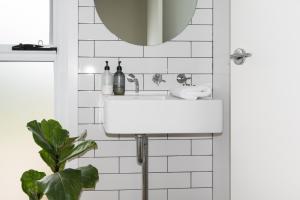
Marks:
<point>192,92</point>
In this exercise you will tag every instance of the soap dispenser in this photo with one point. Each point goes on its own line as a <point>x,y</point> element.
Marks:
<point>107,81</point>
<point>119,81</point>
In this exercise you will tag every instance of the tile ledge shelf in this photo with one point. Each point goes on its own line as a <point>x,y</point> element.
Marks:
<point>7,55</point>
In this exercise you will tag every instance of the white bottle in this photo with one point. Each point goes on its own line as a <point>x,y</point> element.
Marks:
<point>107,81</point>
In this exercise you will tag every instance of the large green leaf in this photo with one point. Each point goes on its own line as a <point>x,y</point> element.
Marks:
<point>89,176</point>
<point>81,148</point>
<point>29,184</point>
<point>47,126</point>
<point>49,160</point>
<point>64,185</point>
<point>39,136</point>
<point>58,138</point>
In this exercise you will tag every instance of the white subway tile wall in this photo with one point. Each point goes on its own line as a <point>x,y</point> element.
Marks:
<point>180,167</point>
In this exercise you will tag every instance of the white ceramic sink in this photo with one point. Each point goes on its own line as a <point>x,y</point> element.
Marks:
<point>161,115</point>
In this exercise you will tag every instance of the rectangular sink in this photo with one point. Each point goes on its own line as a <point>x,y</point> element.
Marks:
<point>161,114</point>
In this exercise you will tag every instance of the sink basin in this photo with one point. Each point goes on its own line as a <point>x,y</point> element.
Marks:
<point>161,114</point>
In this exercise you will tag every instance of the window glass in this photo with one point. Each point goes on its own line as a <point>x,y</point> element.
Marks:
<point>27,93</point>
<point>24,21</point>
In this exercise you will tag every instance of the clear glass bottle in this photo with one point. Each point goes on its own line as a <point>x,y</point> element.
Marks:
<point>107,81</point>
<point>119,81</point>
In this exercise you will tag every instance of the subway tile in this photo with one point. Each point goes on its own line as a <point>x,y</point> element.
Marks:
<point>190,65</point>
<point>156,164</point>
<point>169,49</point>
<point>104,165</point>
<point>96,65</point>
<point>86,3</point>
<point>117,49</point>
<point>89,154</point>
<point>199,79</point>
<point>116,148</point>
<point>170,82</point>
<point>169,180</point>
<point>119,182</point>
<point>202,49</point>
<point>144,65</point>
<point>105,195</point>
<point>203,16</point>
<point>202,179</point>
<point>95,132</point>
<point>202,147</point>
<point>86,48</point>
<point>196,136</point>
<point>99,115</point>
<point>169,147</point>
<point>95,32</point>
<point>98,81</point>
<point>90,99</point>
<point>85,115</point>
<point>205,4</point>
<point>137,194</point>
<point>189,163</point>
<point>86,14</point>
<point>196,33</point>
<point>97,18</point>
<point>190,194</point>
<point>85,82</point>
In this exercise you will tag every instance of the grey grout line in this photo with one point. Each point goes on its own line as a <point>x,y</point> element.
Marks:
<point>191,147</point>
<point>125,57</point>
<point>167,194</point>
<point>94,82</point>
<point>151,189</point>
<point>213,49</point>
<point>191,179</point>
<point>119,160</point>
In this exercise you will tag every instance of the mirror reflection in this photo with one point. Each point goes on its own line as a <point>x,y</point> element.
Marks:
<point>146,22</point>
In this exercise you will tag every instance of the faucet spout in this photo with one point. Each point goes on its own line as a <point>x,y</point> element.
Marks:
<point>132,79</point>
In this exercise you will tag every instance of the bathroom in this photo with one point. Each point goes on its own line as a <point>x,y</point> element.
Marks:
<point>237,141</point>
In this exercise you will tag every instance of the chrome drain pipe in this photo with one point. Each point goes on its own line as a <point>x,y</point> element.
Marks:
<point>142,159</point>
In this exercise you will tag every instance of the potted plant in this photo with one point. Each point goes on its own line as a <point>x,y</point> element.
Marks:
<point>57,149</point>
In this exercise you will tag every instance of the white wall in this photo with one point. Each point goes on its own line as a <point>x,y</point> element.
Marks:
<point>180,167</point>
<point>265,101</point>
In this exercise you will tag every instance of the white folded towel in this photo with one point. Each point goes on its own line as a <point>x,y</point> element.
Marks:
<point>192,92</point>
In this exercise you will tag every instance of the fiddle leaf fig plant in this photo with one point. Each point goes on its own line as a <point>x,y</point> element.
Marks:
<point>57,148</point>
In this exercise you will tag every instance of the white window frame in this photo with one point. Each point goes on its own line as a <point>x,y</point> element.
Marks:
<point>64,35</point>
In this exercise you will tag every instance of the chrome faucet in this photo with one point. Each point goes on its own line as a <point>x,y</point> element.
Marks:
<point>158,79</point>
<point>132,79</point>
<point>182,79</point>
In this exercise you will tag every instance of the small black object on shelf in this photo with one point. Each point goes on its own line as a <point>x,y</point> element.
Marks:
<point>32,47</point>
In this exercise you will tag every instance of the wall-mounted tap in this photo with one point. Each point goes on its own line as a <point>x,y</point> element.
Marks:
<point>132,79</point>
<point>182,79</point>
<point>158,79</point>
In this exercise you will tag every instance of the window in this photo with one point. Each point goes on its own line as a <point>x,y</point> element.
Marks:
<point>27,93</point>
<point>25,21</point>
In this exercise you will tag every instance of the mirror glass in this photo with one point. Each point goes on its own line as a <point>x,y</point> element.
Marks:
<point>146,22</point>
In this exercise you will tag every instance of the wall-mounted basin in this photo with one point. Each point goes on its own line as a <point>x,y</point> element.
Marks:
<point>161,114</point>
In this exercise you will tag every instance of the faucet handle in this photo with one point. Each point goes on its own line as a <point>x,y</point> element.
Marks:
<point>182,79</point>
<point>158,79</point>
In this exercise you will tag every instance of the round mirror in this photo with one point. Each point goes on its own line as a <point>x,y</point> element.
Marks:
<point>146,22</point>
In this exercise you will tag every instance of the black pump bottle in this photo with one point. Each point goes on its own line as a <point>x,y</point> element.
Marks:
<point>119,81</point>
